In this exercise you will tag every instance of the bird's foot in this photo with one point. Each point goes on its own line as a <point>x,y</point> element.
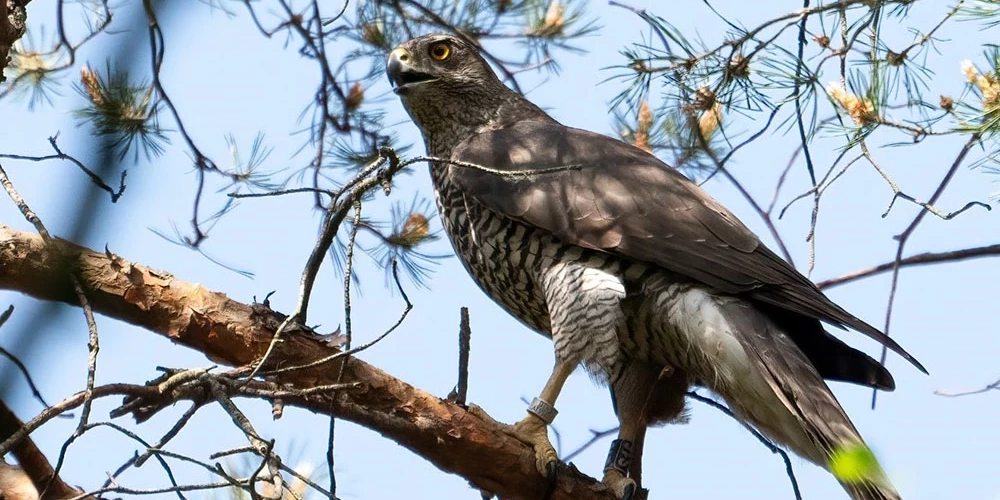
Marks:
<point>616,471</point>
<point>532,431</point>
<point>623,487</point>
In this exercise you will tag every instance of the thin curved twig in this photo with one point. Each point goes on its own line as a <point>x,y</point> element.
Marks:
<point>913,260</point>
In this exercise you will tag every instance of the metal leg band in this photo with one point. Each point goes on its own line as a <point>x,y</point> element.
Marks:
<point>543,410</point>
<point>619,456</point>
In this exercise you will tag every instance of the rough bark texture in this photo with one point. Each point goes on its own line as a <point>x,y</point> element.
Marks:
<point>236,334</point>
<point>12,26</point>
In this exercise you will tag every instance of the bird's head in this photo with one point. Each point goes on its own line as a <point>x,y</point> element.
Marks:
<point>449,90</point>
<point>432,65</point>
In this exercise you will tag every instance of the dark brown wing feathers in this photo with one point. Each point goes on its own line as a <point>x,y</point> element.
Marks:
<point>622,200</point>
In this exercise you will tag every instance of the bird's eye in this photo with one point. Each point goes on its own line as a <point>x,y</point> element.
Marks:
<point>440,51</point>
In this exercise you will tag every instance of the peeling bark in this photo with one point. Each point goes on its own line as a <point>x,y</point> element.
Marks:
<point>236,334</point>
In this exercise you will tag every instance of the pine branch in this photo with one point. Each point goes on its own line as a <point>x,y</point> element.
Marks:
<point>237,334</point>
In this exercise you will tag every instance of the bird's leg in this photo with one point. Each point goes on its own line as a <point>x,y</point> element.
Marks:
<point>630,393</point>
<point>624,464</point>
<point>533,428</point>
<point>644,394</point>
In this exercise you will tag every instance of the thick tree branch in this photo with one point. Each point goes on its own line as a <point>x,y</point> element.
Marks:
<point>238,334</point>
<point>33,462</point>
<point>920,258</point>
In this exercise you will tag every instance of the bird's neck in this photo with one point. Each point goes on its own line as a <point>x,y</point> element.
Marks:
<point>444,129</point>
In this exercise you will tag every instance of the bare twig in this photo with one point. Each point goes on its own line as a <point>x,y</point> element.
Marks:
<point>283,192</point>
<point>281,465</point>
<point>170,434</point>
<point>349,274</point>
<point>348,334</point>
<point>796,92</point>
<point>914,260</point>
<point>133,461</point>
<point>28,214</point>
<point>330,456</point>
<point>153,491</point>
<point>501,173</point>
<point>59,155</point>
<point>594,438</point>
<point>24,372</point>
<point>19,364</point>
<point>65,405</point>
<point>992,386</point>
<point>31,459</point>
<point>93,345</point>
<point>464,338</point>
<point>334,217</point>
<point>343,354</point>
<point>905,235</point>
<point>760,437</point>
<point>898,193</point>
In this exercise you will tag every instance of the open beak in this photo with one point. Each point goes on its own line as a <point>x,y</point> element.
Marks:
<point>401,74</point>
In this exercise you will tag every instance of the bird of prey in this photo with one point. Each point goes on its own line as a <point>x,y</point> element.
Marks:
<point>633,271</point>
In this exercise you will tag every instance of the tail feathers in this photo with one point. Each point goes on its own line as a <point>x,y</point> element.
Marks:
<point>791,403</point>
<point>871,491</point>
<point>833,359</point>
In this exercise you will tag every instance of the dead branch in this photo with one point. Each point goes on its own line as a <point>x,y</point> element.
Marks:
<point>903,237</point>
<point>914,260</point>
<point>461,390</point>
<point>237,334</point>
<point>992,386</point>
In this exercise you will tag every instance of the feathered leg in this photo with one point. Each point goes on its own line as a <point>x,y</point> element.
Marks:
<point>586,318</point>
<point>643,395</point>
<point>630,394</point>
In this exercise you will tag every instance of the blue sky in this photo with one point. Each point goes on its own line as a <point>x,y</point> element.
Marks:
<point>225,78</point>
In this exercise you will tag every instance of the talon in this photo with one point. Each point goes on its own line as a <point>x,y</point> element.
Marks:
<point>629,491</point>
<point>531,431</point>
<point>535,432</point>
<point>623,487</point>
<point>552,476</point>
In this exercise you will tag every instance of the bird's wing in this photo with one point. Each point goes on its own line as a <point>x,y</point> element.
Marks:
<point>600,193</point>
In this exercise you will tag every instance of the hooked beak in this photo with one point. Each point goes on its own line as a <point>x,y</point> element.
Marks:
<point>401,74</point>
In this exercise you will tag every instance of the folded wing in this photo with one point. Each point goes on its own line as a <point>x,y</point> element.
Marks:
<point>607,195</point>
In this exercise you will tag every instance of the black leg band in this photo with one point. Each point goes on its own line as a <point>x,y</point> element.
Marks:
<point>619,456</point>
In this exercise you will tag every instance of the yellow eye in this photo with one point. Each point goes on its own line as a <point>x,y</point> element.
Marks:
<point>440,51</point>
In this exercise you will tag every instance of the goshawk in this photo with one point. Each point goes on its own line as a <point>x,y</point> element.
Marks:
<point>632,270</point>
